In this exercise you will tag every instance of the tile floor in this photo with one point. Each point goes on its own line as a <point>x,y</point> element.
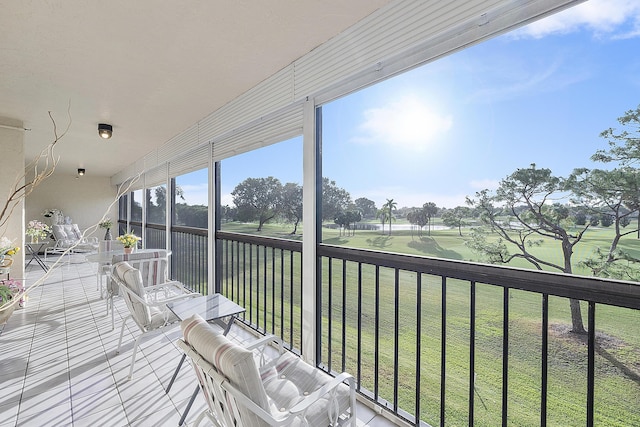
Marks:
<point>59,367</point>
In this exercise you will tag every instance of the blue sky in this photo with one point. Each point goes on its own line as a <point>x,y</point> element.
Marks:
<point>443,131</point>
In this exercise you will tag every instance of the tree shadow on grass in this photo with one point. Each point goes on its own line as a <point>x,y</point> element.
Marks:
<point>380,242</point>
<point>605,347</point>
<point>335,241</point>
<point>429,246</point>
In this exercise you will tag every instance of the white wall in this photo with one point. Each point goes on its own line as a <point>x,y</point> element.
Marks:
<point>12,160</point>
<point>85,199</point>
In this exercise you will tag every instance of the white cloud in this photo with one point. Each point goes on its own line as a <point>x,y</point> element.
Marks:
<point>408,124</point>
<point>484,184</point>
<point>226,200</point>
<point>197,194</point>
<point>602,17</point>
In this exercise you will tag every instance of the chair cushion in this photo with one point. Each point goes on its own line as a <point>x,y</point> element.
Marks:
<point>290,380</point>
<point>59,232</point>
<point>152,266</point>
<point>75,231</point>
<point>131,278</point>
<point>231,360</point>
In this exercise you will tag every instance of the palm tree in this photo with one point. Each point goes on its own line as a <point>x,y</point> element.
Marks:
<point>382,214</point>
<point>389,207</point>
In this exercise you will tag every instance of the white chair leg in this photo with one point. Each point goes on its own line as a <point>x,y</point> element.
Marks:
<point>124,322</point>
<point>133,356</point>
<point>113,318</point>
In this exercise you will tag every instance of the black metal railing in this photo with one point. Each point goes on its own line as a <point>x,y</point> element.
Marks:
<point>264,276</point>
<point>155,236</point>
<point>444,342</point>
<point>189,257</point>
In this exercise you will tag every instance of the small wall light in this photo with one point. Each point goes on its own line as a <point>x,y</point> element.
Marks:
<point>80,172</point>
<point>105,130</point>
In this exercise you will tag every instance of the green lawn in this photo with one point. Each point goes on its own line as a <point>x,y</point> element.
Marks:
<point>617,360</point>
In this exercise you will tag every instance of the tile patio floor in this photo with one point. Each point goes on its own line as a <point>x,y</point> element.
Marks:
<point>58,364</point>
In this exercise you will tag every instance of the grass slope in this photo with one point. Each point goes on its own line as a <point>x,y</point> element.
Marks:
<point>617,359</point>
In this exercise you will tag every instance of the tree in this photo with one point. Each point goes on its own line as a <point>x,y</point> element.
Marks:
<point>606,220</point>
<point>367,207</point>
<point>156,211</point>
<point>624,146</point>
<point>257,199</point>
<point>430,210</point>
<point>611,197</point>
<point>345,219</point>
<point>580,218</point>
<point>532,189</point>
<point>382,214</point>
<point>455,217</point>
<point>389,207</point>
<point>334,199</point>
<point>192,215</point>
<point>228,213</point>
<point>292,204</point>
<point>418,217</point>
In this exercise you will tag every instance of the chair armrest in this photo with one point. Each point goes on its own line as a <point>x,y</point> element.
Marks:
<point>154,302</point>
<point>164,292</point>
<point>260,346</point>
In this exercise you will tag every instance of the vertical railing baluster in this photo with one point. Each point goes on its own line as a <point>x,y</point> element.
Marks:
<point>330,314</point>
<point>265,282</point>
<point>257,287</point>
<point>225,272</point>
<point>250,283</point>
<point>418,344</point>
<point>544,362</point>
<point>273,291</point>
<point>344,315</point>
<point>282,296</point>
<point>505,355</point>
<point>301,299</point>
<point>591,363</point>
<point>396,338</point>
<point>244,281</point>
<point>291,270</point>
<point>443,350</point>
<point>472,351</point>
<point>376,340</point>
<point>359,320</point>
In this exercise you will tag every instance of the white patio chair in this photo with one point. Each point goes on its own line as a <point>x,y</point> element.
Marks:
<point>147,305</point>
<point>69,239</point>
<point>153,268</point>
<point>104,268</point>
<point>245,387</point>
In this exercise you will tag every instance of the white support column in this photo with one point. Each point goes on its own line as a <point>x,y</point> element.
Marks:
<point>309,234</point>
<point>168,212</point>
<point>211,271</point>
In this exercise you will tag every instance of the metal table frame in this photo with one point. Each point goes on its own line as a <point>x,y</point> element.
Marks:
<point>35,254</point>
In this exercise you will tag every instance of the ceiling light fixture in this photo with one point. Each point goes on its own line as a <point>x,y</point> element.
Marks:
<point>80,172</point>
<point>105,130</point>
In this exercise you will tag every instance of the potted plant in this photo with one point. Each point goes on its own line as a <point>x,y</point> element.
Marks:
<point>37,230</point>
<point>129,240</point>
<point>107,223</point>
<point>7,249</point>
<point>9,291</point>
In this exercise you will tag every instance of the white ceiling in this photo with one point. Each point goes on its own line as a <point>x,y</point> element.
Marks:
<point>151,68</point>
